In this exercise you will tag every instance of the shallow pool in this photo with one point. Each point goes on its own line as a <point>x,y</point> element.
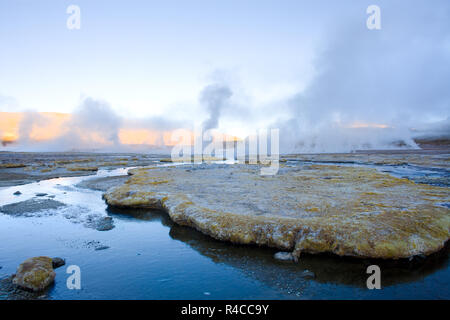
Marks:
<point>146,256</point>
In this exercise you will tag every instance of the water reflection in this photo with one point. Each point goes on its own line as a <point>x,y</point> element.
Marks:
<point>259,264</point>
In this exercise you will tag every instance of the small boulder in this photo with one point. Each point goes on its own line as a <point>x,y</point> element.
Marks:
<point>100,223</point>
<point>306,274</point>
<point>99,248</point>
<point>35,274</point>
<point>58,262</point>
<point>105,224</point>
<point>284,256</point>
<point>17,193</point>
<point>41,194</point>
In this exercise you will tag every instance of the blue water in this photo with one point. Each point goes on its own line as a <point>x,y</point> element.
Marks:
<point>151,258</point>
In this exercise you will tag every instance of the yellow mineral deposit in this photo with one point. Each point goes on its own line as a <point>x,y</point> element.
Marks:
<point>12,165</point>
<point>82,168</point>
<point>35,274</point>
<point>348,211</point>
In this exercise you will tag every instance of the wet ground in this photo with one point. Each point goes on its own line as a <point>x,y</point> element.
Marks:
<point>26,167</point>
<point>141,254</point>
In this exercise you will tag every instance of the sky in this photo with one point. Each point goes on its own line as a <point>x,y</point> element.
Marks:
<point>303,66</point>
<point>147,55</point>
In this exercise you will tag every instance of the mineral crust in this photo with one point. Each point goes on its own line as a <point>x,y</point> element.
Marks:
<point>348,211</point>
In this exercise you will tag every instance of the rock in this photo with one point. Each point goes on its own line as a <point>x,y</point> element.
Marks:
<point>93,244</point>
<point>17,193</point>
<point>9,291</point>
<point>99,223</point>
<point>101,248</point>
<point>41,194</point>
<point>35,274</point>
<point>284,256</point>
<point>105,224</point>
<point>58,262</point>
<point>308,274</point>
<point>31,206</point>
<point>359,212</point>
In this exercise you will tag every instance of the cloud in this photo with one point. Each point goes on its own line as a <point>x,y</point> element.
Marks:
<point>93,126</point>
<point>397,76</point>
<point>98,118</point>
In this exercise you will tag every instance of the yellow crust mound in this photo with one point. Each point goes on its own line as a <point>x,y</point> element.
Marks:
<point>348,211</point>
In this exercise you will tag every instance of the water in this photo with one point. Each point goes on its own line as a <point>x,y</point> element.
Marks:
<point>149,257</point>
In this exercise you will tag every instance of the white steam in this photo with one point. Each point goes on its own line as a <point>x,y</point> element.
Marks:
<point>214,98</point>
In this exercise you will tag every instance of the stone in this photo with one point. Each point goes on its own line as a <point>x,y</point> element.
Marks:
<point>358,212</point>
<point>40,194</point>
<point>105,224</point>
<point>101,248</point>
<point>17,193</point>
<point>308,274</point>
<point>31,207</point>
<point>100,223</point>
<point>58,262</point>
<point>284,256</point>
<point>9,291</point>
<point>35,274</point>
